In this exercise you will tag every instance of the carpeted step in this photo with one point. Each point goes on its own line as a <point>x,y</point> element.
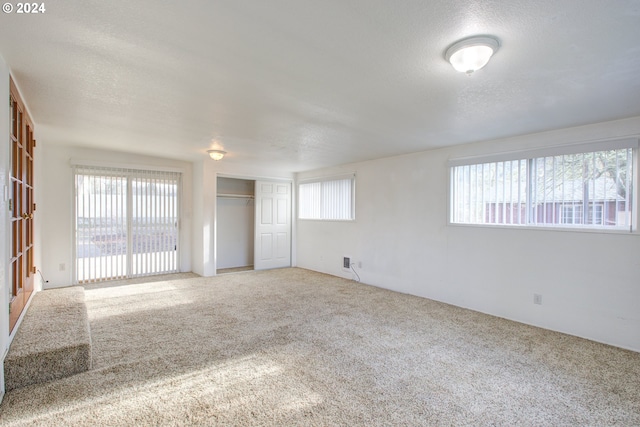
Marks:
<point>53,341</point>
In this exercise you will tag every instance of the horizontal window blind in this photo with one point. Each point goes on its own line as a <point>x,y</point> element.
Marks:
<point>126,222</point>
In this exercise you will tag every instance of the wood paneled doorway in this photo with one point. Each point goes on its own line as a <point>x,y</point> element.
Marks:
<point>21,207</point>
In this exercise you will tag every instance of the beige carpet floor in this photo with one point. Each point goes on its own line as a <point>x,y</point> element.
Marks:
<point>53,341</point>
<point>294,347</point>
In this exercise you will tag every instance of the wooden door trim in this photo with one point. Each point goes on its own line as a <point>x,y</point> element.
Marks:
<point>21,260</point>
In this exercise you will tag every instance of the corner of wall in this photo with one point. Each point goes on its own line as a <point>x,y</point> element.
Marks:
<point>5,156</point>
<point>208,209</point>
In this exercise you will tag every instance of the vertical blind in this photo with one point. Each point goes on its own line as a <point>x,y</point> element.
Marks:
<point>328,200</point>
<point>583,189</point>
<point>126,222</point>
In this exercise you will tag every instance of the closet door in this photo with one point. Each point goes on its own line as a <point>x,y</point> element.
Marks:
<point>22,207</point>
<point>273,225</point>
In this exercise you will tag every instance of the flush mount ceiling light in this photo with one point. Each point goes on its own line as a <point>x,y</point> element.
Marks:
<point>216,154</point>
<point>471,54</point>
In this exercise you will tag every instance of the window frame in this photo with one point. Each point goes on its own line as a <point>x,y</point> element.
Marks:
<point>352,201</point>
<point>531,154</point>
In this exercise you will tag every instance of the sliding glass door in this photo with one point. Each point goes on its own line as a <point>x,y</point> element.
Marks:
<point>154,220</point>
<point>126,223</point>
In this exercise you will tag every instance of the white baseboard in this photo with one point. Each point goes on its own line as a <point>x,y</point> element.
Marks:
<point>2,376</point>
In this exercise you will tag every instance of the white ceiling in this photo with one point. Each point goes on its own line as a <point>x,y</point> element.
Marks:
<point>302,84</point>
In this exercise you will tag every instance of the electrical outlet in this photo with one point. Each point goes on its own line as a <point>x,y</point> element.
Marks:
<point>346,262</point>
<point>359,264</point>
<point>537,299</point>
<point>62,267</point>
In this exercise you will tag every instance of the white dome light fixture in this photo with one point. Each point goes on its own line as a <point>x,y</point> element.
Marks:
<point>471,54</point>
<point>216,154</point>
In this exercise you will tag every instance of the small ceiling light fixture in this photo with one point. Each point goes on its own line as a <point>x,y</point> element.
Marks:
<point>216,154</point>
<point>471,54</point>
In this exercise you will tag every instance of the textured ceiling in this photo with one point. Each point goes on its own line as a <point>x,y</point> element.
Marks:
<point>304,84</point>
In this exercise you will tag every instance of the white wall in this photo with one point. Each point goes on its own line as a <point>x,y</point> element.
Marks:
<point>5,156</point>
<point>589,281</point>
<point>54,195</point>
<point>204,208</point>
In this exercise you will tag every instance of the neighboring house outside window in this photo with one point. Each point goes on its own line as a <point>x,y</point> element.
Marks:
<point>586,189</point>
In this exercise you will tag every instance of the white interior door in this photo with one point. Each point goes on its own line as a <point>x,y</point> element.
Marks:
<point>273,225</point>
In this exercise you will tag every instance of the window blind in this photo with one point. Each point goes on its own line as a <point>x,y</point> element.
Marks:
<point>126,222</point>
<point>331,199</point>
<point>591,189</point>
